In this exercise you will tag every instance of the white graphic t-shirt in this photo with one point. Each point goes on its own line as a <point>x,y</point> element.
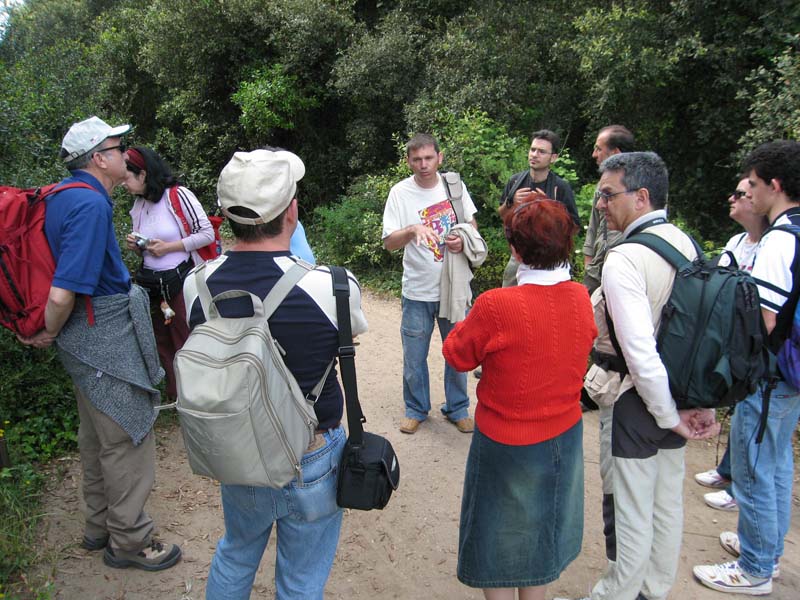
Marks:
<point>408,203</point>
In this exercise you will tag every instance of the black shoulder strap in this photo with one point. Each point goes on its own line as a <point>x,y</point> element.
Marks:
<point>517,184</point>
<point>347,352</point>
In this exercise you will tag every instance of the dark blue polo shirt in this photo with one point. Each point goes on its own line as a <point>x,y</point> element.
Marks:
<point>79,226</point>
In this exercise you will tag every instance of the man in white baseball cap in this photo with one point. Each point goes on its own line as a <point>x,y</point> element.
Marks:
<point>106,344</point>
<point>258,192</point>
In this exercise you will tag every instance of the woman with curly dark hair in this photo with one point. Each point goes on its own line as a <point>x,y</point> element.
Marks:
<point>522,507</point>
<point>169,226</point>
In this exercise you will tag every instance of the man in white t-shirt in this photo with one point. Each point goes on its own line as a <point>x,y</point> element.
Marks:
<point>763,473</point>
<point>418,217</point>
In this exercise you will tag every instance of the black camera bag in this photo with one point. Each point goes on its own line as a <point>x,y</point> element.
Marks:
<point>369,471</point>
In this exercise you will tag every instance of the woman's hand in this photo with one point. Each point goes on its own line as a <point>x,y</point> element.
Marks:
<point>158,247</point>
<point>130,242</point>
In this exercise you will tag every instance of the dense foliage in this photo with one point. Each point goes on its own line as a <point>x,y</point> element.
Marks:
<point>344,82</point>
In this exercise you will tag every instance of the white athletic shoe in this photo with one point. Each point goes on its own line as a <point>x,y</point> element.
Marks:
<point>711,479</point>
<point>729,577</point>
<point>721,500</point>
<point>730,541</point>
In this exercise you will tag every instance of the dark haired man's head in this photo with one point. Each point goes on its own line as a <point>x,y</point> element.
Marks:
<point>421,140</point>
<point>542,153</point>
<point>777,161</point>
<point>612,139</point>
<point>550,136</point>
<point>255,233</point>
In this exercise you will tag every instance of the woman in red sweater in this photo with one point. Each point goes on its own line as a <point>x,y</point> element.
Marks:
<point>522,507</point>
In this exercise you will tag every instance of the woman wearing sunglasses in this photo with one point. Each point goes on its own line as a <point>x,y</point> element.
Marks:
<point>169,226</point>
<point>522,507</point>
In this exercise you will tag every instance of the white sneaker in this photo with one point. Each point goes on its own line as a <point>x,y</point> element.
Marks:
<point>730,541</point>
<point>721,500</point>
<point>729,577</point>
<point>711,479</point>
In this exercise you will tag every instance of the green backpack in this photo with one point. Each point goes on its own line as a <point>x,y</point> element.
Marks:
<point>712,338</point>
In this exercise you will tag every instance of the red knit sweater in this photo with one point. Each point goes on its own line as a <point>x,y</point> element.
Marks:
<point>532,342</point>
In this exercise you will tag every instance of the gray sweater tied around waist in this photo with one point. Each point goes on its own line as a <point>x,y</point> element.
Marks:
<point>115,362</point>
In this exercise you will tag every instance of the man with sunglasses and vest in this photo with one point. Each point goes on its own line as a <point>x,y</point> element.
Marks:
<point>105,342</point>
<point>542,154</point>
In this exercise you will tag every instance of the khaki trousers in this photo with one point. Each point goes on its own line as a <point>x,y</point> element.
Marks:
<point>117,479</point>
<point>648,524</point>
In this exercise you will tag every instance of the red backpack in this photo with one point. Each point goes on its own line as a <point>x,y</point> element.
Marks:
<point>212,250</point>
<point>26,262</point>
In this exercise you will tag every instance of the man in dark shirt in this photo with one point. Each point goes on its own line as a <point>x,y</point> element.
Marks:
<point>539,178</point>
<point>257,192</point>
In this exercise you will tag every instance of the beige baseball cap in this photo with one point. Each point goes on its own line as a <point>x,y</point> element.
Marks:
<point>264,181</point>
<point>86,135</point>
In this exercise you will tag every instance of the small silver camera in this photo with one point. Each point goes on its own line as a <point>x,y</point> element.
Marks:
<point>141,241</point>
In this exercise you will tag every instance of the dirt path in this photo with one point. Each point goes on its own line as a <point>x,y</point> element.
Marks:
<point>409,550</point>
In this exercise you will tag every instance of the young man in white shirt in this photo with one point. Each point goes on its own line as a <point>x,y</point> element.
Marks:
<point>763,473</point>
<point>418,218</point>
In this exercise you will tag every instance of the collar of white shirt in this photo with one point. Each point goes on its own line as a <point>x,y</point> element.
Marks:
<point>526,274</point>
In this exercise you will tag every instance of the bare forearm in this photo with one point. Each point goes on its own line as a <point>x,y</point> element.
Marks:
<point>60,303</point>
<point>417,233</point>
<point>770,318</point>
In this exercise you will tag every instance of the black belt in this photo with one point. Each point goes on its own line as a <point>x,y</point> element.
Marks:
<point>609,362</point>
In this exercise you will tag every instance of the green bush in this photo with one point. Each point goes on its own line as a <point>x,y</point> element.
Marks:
<point>37,404</point>
<point>348,233</point>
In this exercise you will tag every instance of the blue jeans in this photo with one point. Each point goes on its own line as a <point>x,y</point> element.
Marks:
<point>308,521</point>
<point>762,476</point>
<point>415,330</point>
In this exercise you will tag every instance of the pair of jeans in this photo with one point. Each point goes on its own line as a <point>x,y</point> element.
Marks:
<point>415,330</point>
<point>308,522</point>
<point>762,476</point>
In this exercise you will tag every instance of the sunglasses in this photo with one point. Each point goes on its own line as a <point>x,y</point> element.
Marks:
<point>739,194</point>
<point>120,147</point>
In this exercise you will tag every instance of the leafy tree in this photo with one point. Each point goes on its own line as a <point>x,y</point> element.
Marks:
<point>775,98</point>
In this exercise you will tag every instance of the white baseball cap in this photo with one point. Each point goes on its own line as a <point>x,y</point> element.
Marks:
<point>84,136</point>
<point>264,181</point>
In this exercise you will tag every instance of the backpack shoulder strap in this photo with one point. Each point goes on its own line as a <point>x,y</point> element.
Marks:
<point>663,248</point>
<point>56,187</point>
<point>520,177</point>
<point>175,201</point>
<point>454,188</point>
<point>284,285</point>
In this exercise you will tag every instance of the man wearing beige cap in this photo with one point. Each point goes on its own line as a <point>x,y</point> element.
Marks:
<point>105,342</point>
<point>258,193</point>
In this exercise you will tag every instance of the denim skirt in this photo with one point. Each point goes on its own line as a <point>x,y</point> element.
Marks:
<point>522,511</point>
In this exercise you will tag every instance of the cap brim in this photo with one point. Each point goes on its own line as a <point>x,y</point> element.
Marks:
<point>118,131</point>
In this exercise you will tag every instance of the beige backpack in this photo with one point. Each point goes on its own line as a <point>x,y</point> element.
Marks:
<point>243,416</point>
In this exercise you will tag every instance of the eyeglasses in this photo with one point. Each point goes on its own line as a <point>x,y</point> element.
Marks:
<point>540,151</point>
<point>606,196</point>
<point>739,194</point>
<point>120,147</point>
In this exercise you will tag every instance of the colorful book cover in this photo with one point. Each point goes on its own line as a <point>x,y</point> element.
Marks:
<point>441,218</point>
